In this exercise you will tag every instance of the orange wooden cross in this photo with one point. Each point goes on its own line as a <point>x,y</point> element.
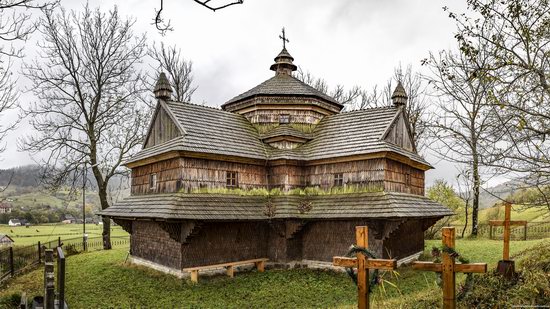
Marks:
<point>507,223</point>
<point>363,264</point>
<point>448,268</point>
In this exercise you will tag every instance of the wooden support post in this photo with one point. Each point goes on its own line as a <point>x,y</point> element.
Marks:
<point>260,266</point>
<point>195,276</point>
<point>363,264</point>
<point>39,253</point>
<point>490,232</point>
<point>525,232</point>
<point>230,270</point>
<point>61,277</point>
<point>448,268</point>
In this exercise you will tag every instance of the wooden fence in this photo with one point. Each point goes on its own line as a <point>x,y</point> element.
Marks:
<point>533,230</point>
<point>16,260</point>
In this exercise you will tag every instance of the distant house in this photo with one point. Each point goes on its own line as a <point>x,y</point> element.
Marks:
<point>5,208</point>
<point>14,222</point>
<point>5,241</point>
<point>69,217</point>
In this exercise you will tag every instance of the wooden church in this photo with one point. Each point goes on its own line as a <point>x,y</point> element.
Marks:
<point>278,172</point>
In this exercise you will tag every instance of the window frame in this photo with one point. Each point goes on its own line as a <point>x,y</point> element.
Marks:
<point>153,181</point>
<point>338,179</point>
<point>231,179</point>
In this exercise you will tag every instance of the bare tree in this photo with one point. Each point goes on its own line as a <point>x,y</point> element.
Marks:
<point>15,27</point>
<point>517,35</point>
<point>178,69</point>
<point>461,130</point>
<point>88,113</point>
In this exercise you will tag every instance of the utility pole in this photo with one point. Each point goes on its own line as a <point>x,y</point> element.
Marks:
<point>84,236</point>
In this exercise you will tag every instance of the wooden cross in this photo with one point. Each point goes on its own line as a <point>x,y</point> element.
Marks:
<point>448,268</point>
<point>507,223</point>
<point>363,264</point>
<point>283,37</point>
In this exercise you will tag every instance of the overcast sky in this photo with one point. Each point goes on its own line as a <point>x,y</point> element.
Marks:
<point>354,42</point>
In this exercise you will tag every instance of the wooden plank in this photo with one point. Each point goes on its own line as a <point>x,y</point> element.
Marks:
<point>427,266</point>
<point>448,273</point>
<point>362,235</point>
<point>344,261</point>
<point>512,223</point>
<point>471,268</point>
<point>506,236</point>
<point>381,264</point>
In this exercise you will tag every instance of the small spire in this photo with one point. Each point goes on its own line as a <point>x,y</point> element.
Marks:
<point>283,62</point>
<point>399,96</point>
<point>163,90</point>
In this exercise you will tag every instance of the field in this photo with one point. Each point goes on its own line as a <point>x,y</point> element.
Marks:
<point>102,279</point>
<point>24,236</point>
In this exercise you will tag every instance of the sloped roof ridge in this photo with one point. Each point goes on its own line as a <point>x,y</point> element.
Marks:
<point>388,107</point>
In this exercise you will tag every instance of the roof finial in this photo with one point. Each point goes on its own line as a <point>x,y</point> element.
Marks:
<point>163,90</point>
<point>399,96</point>
<point>283,37</point>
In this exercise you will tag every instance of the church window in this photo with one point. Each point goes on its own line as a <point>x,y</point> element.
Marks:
<point>338,179</point>
<point>284,118</point>
<point>153,181</point>
<point>232,179</point>
<point>408,179</point>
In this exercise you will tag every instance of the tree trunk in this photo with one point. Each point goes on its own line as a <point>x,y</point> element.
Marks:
<point>475,204</point>
<point>106,221</point>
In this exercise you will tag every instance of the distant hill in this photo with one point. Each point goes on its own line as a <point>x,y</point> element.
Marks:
<point>494,194</point>
<point>24,176</point>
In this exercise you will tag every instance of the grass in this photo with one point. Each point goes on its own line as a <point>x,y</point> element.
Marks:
<point>102,279</point>
<point>24,236</point>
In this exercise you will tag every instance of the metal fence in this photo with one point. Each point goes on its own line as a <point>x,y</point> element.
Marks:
<point>15,260</point>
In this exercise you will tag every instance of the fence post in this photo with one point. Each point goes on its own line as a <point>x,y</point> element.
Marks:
<point>490,232</point>
<point>59,241</point>
<point>39,253</point>
<point>49,293</point>
<point>525,232</point>
<point>61,277</point>
<point>12,264</point>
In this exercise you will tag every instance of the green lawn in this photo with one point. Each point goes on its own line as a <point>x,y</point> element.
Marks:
<point>24,236</point>
<point>102,279</point>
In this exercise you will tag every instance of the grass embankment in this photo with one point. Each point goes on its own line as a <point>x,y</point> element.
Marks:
<point>101,279</point>
<point>24,236</point>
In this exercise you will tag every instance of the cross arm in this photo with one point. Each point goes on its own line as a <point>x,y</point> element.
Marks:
<point>427,266</point>
<point>471,268</point>
<point>369,263</point>
<point>501,223</point>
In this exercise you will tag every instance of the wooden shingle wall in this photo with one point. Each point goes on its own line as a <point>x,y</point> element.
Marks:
<point>399,134</point>
<point>163,129</point>
<point>400,177</point>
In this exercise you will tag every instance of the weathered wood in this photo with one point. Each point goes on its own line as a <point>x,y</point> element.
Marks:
<point>448,274</point>
<point>471,268</point>
<point>229,268</point>
<point>163,128</point>
<point>362,238</point>
<point>427,266</point>
<point>448,268</point>
<point>363,264</point>
<point>508,223</point>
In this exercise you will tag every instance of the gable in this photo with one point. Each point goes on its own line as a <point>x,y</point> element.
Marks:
<point>162,129</point>
<point>399,134</point>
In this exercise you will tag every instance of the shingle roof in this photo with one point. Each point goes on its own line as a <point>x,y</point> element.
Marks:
<point>283,84</point>
<point>213,131</point>
<point>286,130</point>
<point>235,207</point>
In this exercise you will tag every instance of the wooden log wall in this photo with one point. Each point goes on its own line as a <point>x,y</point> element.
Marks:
<point>272,116</point>
<point>363,174</point>
<point>203,173</point>
<point>286,177</point>
<point>168,173</point>
<point>400,177</point>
